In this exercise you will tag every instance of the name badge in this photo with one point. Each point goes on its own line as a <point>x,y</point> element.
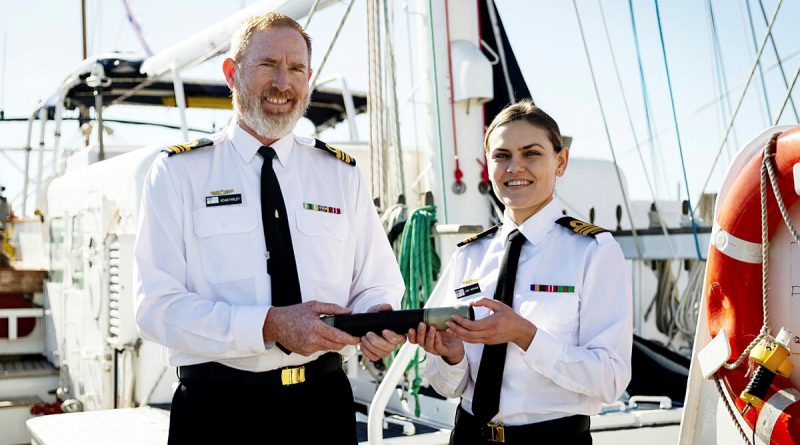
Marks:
<point>466,291</point>
<point>223,200</point>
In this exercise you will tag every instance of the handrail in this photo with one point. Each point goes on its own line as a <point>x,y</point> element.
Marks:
<point>13,314</point>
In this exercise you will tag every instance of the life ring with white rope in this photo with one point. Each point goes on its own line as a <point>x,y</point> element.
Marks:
<point>734,288</point>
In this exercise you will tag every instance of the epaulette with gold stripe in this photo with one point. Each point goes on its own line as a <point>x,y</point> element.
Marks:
<point>483,234</point>
<point>183,148</point>
<point>340,155</point>
<point>580,227</point>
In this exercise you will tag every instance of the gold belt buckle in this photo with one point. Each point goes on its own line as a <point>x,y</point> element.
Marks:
<point>497,432</point>
<point>290,376</point>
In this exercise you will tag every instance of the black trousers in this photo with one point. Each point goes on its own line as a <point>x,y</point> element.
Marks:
<point>572,430</point>
<point>220,412</point>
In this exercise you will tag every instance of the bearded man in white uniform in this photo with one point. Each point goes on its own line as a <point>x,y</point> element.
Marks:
<point>254,359</point>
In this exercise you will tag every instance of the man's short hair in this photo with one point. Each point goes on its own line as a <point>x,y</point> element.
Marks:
<point>270,20</point>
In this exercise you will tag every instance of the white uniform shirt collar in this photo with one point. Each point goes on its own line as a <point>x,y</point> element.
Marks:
<point>247,146</point>
<point>537,225</point>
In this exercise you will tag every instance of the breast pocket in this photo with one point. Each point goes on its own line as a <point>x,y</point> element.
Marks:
<point>554,312</point>
<point>322,240</point>
<point>225,238</point>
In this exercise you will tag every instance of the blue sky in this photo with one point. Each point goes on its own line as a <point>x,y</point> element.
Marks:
<point>43,42</point>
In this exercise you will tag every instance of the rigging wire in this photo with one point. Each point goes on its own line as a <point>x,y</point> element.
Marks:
<point>457,173</point>
<point>375,142</point>
<point>311,14</point>
<point>394,113</point>
<point>608,133</point>
<point>780,64</point>
<point>490,6</point>
<point>741,98</point>
<point>760,71</point>
<point>330,47</point>
<point>787,97</point>
<point>722,77</point>
<point>437,108</point>
<point>648,113</point>
<point>633,130</point>
<point>678,135</point>
<point>137,27</point>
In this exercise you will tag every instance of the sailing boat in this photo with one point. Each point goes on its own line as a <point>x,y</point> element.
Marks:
<point>90,211</point>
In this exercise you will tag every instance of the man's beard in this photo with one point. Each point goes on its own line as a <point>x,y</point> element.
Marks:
<point>247,104</point>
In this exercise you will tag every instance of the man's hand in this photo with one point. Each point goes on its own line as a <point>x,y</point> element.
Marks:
<point>432,341</point>
<point>376,347</point>
<point>299,329</point>
<point>503,326</point>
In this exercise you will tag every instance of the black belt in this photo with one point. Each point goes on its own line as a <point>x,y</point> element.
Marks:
<point>497,432</point>
<point>324,364</point>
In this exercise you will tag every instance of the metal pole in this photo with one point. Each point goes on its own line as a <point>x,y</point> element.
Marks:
<point>98,107</point>
<point>40,167</point>
<point>180,101</point>
<point>27,162</point>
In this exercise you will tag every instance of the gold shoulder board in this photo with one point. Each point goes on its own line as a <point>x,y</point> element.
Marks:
<point>340,155</point>
<point>183,148</point>
<point>580,227</point>
<point>483,234</point>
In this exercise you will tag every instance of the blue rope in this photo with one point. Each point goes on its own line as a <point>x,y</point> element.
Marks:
<point>678,135</point>
<point>645,95</point>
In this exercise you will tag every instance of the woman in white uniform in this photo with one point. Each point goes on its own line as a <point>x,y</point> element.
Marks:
<point>552,337</point>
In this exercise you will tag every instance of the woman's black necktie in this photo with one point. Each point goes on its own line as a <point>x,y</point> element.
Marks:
<point>486,396</point>
<point>281,264</point>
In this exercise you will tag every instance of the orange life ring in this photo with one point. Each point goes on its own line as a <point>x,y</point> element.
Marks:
<point>733,286</point>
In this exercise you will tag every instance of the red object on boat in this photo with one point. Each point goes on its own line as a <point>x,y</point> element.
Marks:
<point>733,287</point>
<point>16,301</point>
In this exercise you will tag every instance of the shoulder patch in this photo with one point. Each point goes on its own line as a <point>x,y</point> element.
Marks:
<point>484,234</point>
<point>580,227</point>
<point>340,155</point>
<point>183,148</point>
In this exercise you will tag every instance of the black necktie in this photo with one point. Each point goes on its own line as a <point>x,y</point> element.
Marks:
<point>486,396</point>
<point>281,264</point>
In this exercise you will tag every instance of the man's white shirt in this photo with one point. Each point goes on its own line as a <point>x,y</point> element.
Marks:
<point>203,290</point>
<point>575,289</point>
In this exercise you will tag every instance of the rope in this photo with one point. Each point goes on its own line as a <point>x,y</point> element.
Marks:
<point>678,135</point>
<point>330,47</point>
<point>741,98</point>
<point>766,174</point>
<point>418,265</point>
<point>608,133</point>
<point>633,130</point>
<point>730,411</point>
<point>457,173</point>
<point>645,96</point>
<point>776,191</point>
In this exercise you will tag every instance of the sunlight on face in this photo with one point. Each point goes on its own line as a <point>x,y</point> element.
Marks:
<point>271,92</point>
<point>523,166</point>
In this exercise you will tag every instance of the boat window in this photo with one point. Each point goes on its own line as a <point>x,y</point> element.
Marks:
<point>57,249</point>
<point>76,251</point>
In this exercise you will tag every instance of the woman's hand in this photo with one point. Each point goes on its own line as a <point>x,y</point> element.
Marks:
<point>439,343</point>
<point>502,326</point>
